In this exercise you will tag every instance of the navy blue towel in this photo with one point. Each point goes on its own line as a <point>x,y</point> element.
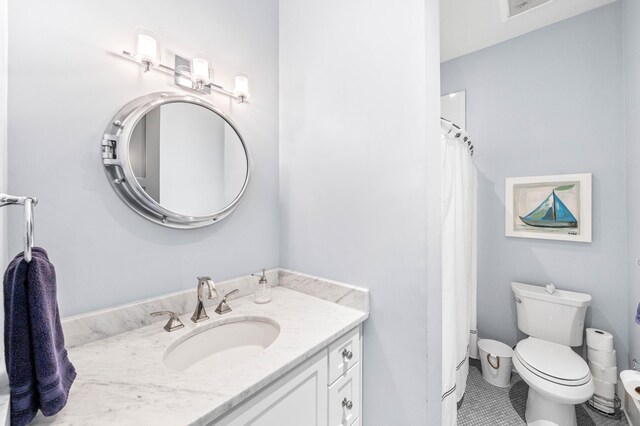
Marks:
<point>638,315</point>
<point>40,373</point>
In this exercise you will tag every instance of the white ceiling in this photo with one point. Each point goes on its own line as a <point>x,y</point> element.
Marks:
<point>470,25</point>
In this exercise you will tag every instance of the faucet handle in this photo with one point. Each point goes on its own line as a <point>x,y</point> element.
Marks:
<point>223,307</point>
<point>174,322</point>
<point>230,293</point>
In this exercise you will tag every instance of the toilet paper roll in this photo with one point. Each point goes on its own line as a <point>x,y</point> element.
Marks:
<point>606,374</point>
<point>602,407</point>
<point>604,358</point>
<point>599,339</point>
<point>604,389</point>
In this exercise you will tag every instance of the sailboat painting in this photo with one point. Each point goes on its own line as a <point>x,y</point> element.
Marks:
<point>549,207</point>
<point>552,213</point>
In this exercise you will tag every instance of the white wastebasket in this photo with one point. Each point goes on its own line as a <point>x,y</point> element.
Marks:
<point>496,362</point>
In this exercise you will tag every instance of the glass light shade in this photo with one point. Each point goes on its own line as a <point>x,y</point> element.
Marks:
<point>147,49</point>
<point>242,86</point>
<point>200,70</point>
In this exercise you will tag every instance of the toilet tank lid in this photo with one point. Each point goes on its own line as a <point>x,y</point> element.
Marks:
<point>563,297</point>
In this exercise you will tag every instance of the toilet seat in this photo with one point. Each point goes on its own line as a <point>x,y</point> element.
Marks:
<point>554,370</point>
<point>553,362</point>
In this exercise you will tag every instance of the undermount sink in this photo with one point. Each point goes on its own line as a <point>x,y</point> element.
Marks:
<point>221,344</point>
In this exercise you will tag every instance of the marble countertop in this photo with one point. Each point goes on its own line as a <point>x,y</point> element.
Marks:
<point>122,379</point>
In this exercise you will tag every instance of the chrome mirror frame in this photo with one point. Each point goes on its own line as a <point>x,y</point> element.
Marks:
<point>117,164</point>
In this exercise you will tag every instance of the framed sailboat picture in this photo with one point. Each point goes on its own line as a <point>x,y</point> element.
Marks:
<point>549,207</point>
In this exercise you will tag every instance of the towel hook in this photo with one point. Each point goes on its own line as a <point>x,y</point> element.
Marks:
<point>28,203</point>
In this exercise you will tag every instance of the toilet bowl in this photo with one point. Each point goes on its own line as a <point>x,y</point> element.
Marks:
<point>558,379</point>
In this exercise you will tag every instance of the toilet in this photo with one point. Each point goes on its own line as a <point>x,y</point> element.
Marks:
<point>558,378</point>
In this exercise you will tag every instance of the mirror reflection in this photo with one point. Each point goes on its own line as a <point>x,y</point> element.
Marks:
<point>188,159</point>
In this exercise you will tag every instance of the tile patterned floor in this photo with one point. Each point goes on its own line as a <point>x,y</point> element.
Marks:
<point>488,405</point>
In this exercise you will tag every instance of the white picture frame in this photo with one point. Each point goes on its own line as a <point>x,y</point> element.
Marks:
<point>556,207</point>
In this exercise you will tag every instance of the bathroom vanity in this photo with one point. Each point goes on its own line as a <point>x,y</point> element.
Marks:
<point>294,361</point>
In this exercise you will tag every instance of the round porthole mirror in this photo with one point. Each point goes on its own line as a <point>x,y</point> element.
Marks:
<point>176,160</point>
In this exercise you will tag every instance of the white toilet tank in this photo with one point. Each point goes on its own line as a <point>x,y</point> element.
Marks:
<point>556,317</point>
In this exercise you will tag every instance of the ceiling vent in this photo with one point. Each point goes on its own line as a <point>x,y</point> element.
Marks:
<point>516,7</point>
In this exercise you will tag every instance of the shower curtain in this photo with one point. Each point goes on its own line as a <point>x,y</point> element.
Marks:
<point>459,334</point>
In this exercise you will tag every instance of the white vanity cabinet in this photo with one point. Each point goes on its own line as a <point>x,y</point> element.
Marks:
<point>324,390</point>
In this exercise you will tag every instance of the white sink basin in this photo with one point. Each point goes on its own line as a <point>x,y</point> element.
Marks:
<point>631,381</point>
<point>221,344</point>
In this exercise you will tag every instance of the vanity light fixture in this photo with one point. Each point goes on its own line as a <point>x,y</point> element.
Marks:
<point>194,74</point>
<point>147,49</point>
<point>242,87</point>
<point>200,72</point>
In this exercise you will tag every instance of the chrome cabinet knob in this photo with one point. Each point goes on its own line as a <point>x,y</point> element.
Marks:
<point>347,354</point>
<point>347,403</point>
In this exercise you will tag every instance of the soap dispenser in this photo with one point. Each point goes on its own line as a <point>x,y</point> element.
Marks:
<point>263,290</point>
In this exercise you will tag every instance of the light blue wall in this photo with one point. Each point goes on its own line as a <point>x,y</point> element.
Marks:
<point>550,102</point>
<point>357,167</point>
<point>66,82</point>
<point>631,16</point>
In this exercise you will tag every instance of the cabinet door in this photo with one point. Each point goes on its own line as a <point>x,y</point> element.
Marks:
<point>299,398</point>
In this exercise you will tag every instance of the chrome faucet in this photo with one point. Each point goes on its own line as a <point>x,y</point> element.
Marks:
<point>200,314</point>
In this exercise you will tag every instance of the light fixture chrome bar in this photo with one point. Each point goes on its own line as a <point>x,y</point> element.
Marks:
<point>182,77</point>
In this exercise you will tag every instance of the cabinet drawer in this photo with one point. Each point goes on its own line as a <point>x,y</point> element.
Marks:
<point>344,399</point>
<point>344,353</point>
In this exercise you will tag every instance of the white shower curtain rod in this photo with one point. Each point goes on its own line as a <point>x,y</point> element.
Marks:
<point>461,134</point>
